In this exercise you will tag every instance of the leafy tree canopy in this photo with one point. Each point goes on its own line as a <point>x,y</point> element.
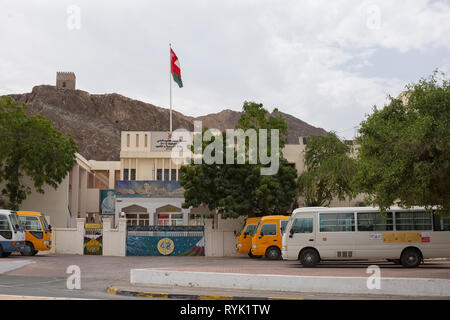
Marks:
<point>29,146</point>
<point>240,189</point>
<point>404,158</point>
<point>329,171</point>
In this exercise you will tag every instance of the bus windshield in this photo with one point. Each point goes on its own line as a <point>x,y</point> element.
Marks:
<point>256,229</point>
<point>45,224</point>
<point>15,222</point>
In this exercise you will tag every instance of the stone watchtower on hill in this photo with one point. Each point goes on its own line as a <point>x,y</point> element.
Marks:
<point>65,80</point>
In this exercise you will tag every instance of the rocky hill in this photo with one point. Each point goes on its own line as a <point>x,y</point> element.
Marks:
<point>96,120</point>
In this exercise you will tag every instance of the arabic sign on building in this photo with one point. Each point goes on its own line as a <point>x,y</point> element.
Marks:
<point>167,141</point>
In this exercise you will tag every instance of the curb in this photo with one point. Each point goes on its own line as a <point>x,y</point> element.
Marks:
<point>144,294</point>
<point>286,283</point>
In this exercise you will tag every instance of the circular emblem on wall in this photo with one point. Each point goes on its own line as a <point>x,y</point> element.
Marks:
<point>165,246</point>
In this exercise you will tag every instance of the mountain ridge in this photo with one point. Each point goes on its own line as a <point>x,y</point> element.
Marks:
<point>95,121</point>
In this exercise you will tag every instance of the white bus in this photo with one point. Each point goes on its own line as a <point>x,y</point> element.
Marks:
<point>403,236</point>
<point>12,233</point>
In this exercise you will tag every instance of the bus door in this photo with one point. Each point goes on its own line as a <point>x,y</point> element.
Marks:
<point>302,233</point>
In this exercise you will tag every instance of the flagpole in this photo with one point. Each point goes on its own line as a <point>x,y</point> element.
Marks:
<point>170,80</point>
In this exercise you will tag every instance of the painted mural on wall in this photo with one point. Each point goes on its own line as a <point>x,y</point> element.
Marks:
<point>93,239</point>
<point>108,201</point>
<point>184,241</point>
<point>149,189</point>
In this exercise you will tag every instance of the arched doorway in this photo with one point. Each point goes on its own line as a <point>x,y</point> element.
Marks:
<point>169,215</point>
<point>136,215</point>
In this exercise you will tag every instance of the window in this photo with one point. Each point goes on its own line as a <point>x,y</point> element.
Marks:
<point>64,84</point>
<point>268,230</point>
<point>125,174</point>
<point>337,222</point>
<point>441,223</point>
<point>30,223</point>
<point>45,223</point>
<point>173,174</point>
<point>137,140</point>
<point>128,140</point>
<point>302,225</point>
<point>159,174</point>
<point>170,219</point>
<point>4,225</point>
<point>375,221</point>
<point>14,218</point>
<point>250,229</point>
<point>283,225</point>
<point>413,220</point>
<point>166,174</point>
<point>132,174</point>
<point>145,140</point>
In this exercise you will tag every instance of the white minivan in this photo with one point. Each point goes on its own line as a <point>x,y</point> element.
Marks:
<point>12,234</point>
<point>402,236</point>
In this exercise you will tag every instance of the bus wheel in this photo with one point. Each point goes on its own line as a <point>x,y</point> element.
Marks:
<point>410,258</point>
<point>6,254</point>
<point>309,258</point>
<point>28,250</point>
<point>273,253</point>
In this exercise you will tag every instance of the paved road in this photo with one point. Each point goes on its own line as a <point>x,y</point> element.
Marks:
<point>47,275</point>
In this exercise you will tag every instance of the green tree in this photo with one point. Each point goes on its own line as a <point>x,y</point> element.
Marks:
<point>404,158</point>
<point>29,146</point>
<point>329,171</point>
<point>240,189</point>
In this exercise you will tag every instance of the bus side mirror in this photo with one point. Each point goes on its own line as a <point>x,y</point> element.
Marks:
<point>50,227</point>
<point>291,233</point>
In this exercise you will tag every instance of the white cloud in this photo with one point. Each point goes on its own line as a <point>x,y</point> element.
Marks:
<point>308,58</point>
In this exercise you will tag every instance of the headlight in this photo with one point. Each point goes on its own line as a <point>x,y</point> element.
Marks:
<point>239,245</point>
<point>254,246</point>
<point>47,242</point>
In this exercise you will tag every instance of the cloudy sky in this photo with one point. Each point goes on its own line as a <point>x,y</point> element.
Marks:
<point>325,62</point>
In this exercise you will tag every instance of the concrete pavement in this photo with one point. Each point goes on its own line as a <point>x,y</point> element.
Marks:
<point>99,273</point>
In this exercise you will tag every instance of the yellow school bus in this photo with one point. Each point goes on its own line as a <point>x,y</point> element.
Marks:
<point>244,237</point>
<point>267,237</point>
<point>37,232</point>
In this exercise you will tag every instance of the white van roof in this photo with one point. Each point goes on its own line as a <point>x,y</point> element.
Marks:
<point>351,209</point>
<point>5,211</point>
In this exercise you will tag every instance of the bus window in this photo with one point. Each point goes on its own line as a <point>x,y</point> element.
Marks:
<point>337,222</point>
<point>283,225</point>
<point>441,223</point>
<point>302,225</point>
<point>5,231</point>
<point>250,229</point>
<point>30,223</point>
<point>268,230</point>
<point>375,221</point>
<point>14,218</point>
<point>413,220</point>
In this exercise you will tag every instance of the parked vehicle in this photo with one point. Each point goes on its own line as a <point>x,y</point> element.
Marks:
<point>244,237</point>
<point>12,234</point>
<point>267,238</point>
<point>38,233</point>
<point>403,236</point>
